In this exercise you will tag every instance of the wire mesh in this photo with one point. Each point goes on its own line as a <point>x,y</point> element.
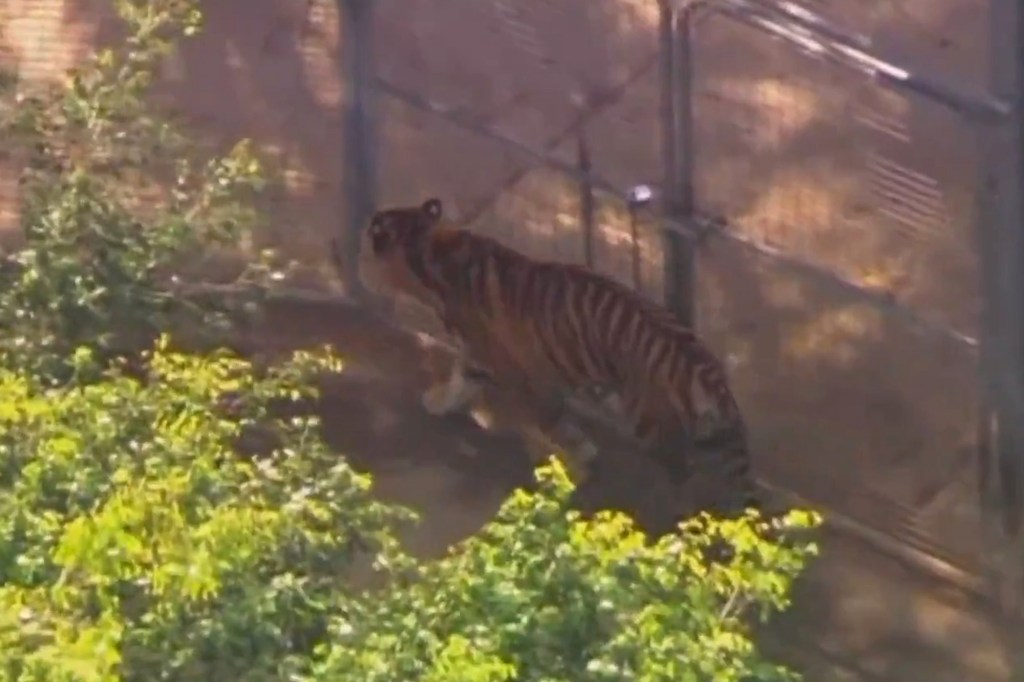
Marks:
<point>845,220</point>
<point>821,163</point>
<point>853,409</point>
<point>543,76</point>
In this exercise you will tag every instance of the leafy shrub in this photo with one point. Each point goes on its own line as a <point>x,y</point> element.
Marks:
<point>540,594</point>
<point>137,544</point>
<point>114,199</point>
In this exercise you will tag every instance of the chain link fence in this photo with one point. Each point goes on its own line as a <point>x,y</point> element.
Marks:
<point>847,284</point>
<point>816,213</point>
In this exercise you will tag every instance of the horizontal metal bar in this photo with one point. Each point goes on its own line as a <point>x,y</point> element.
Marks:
<point>811,21</point>
<point>814,33</point>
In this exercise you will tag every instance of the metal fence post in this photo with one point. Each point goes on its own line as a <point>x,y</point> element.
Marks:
<point>360,163</point>
<point>677,156</point>
<point>1001,356</point>
<point>586,197</point>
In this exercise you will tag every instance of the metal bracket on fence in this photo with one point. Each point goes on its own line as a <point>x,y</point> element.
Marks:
<point>639,197</point>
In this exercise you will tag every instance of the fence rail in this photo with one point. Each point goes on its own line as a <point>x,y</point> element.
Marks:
<point>991,120</point>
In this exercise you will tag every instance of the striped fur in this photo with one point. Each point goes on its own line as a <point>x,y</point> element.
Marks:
<point>545,329</point>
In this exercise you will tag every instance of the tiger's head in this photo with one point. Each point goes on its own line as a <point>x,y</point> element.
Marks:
<point>392,250</point>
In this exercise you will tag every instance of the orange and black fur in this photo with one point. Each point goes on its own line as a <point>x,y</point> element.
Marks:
<point>545,329</point>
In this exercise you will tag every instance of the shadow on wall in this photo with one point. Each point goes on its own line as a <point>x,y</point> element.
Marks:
<point>269,70</point>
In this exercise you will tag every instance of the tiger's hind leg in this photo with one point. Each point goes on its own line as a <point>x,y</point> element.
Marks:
<point>541,410</point>
<point>666,444</point>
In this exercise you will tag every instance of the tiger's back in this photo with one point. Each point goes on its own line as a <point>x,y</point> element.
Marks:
<point>545,329</point>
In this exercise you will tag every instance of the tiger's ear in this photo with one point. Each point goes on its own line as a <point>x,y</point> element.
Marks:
<point>432,209</point>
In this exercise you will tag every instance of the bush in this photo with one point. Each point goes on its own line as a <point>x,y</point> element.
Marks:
<point>540,594</point>
<point>137,543</point>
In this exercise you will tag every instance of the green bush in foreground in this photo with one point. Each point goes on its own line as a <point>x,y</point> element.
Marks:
<point>540,594</point>
<point>136,543</point>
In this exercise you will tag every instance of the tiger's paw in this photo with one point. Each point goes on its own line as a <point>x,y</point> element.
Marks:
<point>483,418</point>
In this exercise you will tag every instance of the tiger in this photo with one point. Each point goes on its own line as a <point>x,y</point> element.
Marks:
<point>544,329</point>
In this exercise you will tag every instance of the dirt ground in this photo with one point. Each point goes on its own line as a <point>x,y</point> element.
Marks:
<point>858,615</point>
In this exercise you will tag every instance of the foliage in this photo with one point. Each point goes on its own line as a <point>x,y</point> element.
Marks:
<point>540,594</point>
<point>136,542</point>
<point>115,198</point>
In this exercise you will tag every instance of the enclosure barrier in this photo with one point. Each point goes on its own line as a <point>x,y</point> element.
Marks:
<point>995,117</point>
